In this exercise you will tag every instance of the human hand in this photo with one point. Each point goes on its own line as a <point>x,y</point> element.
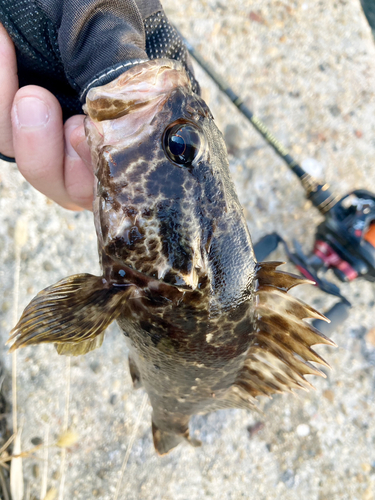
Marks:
<point>52,156</point>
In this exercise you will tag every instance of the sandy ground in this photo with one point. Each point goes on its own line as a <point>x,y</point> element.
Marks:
<point>307,68</point>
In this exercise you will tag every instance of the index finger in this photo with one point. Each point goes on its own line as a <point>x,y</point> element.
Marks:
<point>9,87</point>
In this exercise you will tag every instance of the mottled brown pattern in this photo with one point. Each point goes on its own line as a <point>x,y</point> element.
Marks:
<point>207,327</point>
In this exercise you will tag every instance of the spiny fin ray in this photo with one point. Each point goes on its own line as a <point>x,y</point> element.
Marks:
<point>75,310</point>
<point>281,353</point>
<point>280,279</point>
<point>280,301</point>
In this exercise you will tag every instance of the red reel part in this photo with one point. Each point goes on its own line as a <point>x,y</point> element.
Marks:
<point>331,259</point>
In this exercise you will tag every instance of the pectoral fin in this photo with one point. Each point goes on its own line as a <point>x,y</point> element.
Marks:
<point>73,313</point>
<point>81,348</point>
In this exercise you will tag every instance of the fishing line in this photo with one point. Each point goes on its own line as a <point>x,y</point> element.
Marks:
<point>130,446</point>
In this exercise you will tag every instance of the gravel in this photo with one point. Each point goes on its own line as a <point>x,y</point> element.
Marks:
<point>307,68</point>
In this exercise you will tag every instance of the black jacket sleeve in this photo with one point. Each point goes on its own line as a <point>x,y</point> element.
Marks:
<point>69,46</point>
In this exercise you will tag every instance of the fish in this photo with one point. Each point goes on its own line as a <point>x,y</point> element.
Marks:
<point>207,326</point>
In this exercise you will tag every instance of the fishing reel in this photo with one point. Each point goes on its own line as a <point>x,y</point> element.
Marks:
<point>344,243</point>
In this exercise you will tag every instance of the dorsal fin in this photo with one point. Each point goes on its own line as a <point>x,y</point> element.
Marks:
<point>280,355</point>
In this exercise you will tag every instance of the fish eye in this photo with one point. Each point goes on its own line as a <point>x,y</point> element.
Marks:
<point>182,143</point>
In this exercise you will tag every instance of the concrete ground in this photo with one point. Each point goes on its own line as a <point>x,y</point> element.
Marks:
<point>307,68</point>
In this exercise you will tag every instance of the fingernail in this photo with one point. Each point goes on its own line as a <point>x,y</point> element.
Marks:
<point>31,112</point>
<point>70,151</point>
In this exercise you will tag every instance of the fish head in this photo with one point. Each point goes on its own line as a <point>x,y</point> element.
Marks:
<point>165,205</point>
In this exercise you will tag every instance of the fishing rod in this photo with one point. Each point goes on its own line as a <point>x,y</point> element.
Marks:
<point>344,241</point>
<point>319,193</point>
